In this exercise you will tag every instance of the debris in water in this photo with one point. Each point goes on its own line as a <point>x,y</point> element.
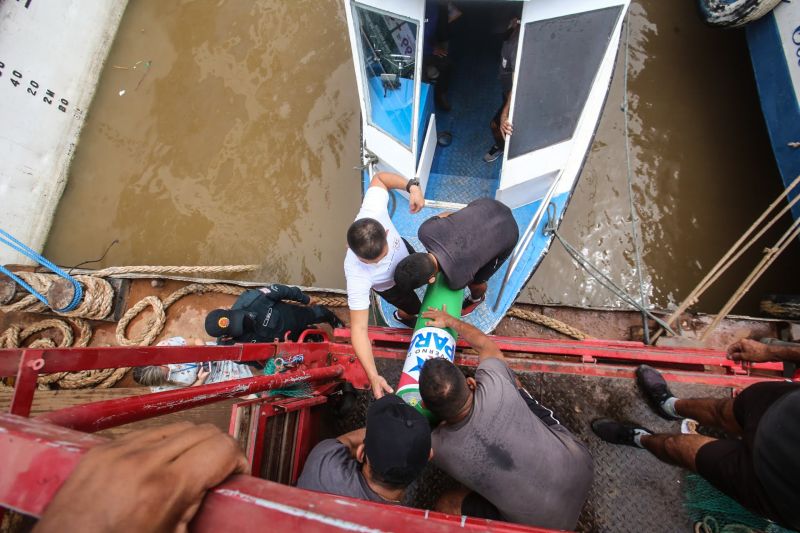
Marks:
<point>147,66</point>
<point>122,92</point>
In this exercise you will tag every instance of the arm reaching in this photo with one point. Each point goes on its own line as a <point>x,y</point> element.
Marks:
<point>389,181</point>
<point>278,292</point>
<point>482,344</point>
<point>359,320</point>
<point>758,352</point>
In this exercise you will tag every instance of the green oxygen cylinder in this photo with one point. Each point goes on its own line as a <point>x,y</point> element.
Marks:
<point>428,342</point>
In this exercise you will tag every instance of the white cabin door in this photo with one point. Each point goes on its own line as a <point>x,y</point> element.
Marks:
<point>386,39</point>
<point>565,56</point>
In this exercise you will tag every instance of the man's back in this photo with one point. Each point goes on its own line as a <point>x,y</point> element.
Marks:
<point>466,240</point>
<point>331,468</point>
<point>533,474</point>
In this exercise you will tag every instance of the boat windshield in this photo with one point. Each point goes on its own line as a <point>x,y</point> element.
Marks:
<point>387,53</point>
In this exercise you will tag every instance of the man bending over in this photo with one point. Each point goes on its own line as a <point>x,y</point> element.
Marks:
<point>516,460</point>
<point>467,246</point>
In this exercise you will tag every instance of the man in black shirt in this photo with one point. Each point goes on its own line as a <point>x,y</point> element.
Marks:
<point>467,246</point>
<point>260,315</point>
<point>761,469</point>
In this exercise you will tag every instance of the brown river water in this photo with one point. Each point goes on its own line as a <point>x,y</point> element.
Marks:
<point>237,145</point>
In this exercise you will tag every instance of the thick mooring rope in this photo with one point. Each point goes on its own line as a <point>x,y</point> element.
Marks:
<point>548,322</point>
<point>147,269</point>
<point>96,304</point>
<point>14,337</point>
<point>155,323</point>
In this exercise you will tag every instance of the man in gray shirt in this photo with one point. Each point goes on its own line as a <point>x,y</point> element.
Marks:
<point>517,462</point>
<point>375,463</point>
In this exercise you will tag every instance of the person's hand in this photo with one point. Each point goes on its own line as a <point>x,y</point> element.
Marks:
<point>312,300</point>
<point>150,480</point>
<point>202,376</point>
<point>506,128</point>
<point>750,350</point>
<point>437,318</point>
<point>379,386</point>
<point>415,200</point>
<point>440,50</point>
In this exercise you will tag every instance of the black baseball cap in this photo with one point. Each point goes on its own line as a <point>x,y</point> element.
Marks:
<point>225,323</point>
<point>398,440</point>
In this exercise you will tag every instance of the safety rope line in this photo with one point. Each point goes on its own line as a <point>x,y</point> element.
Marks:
<point>596,273</point>
<point>634,215</point>
<point>77,294</point>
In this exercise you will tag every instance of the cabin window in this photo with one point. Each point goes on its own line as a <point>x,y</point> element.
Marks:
<point>560,58</point>
<point>388,48</point>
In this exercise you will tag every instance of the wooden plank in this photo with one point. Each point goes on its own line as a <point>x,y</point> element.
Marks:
<point>217,414</point>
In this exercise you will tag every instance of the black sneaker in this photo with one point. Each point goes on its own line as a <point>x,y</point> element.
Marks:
<point>655,390</point>
<point>616,432</point>
<point>410,321</point>
<point>493,153</point>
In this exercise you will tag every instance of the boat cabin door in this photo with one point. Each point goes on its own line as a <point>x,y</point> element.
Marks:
<point>565,56</point>
<point>386,38</point>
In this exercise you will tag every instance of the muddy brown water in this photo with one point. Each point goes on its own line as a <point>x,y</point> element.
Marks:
<point>237,145</point>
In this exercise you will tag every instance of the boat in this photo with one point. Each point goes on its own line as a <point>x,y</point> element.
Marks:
<point>774,43</point>
<point>50,61</point>
<point>566,54</point>
<point>734,13</point>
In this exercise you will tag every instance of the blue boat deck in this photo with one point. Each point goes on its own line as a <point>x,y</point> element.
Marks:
<point>458,172</point>
<point>484,317</point>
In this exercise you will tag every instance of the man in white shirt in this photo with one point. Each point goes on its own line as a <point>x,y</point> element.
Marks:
<point>374,249</point>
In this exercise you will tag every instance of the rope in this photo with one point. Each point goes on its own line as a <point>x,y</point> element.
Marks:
<point>13,337</point>
<point>147,269</point>
<point>739,247</point>
<point>548,322</point>
<point>155,323</point>
<point>332,301</point>
<point>97,302</point>
<point>7,239</point>
<point>634,214</point>
<point>595,272</point>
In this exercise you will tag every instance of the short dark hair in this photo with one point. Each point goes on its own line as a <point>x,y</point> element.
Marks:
<point>442,387</point>
<point>367,238</point>
<point>414,271</point>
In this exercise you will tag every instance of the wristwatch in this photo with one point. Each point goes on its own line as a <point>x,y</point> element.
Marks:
<point>412,181</point>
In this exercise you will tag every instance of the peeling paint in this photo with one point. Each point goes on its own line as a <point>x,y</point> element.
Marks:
<point>298,512</point>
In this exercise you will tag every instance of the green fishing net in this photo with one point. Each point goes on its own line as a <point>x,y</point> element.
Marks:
<point>717,513</point>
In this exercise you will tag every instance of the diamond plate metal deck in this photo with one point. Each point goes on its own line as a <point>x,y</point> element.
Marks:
<point>632,491</point>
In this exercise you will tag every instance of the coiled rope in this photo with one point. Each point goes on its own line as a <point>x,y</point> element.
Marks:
<point>10,241</point>
<point>14,337</point>
<point>96,304</point>
<point>155,323</point>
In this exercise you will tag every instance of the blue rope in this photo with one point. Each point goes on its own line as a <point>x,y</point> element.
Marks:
<point>11,242</point>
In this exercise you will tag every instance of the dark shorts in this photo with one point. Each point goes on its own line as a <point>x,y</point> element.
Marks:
<point>728,464</point>
<point>407,301</point>
<point>544,413</point>
<point>487,271</point>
